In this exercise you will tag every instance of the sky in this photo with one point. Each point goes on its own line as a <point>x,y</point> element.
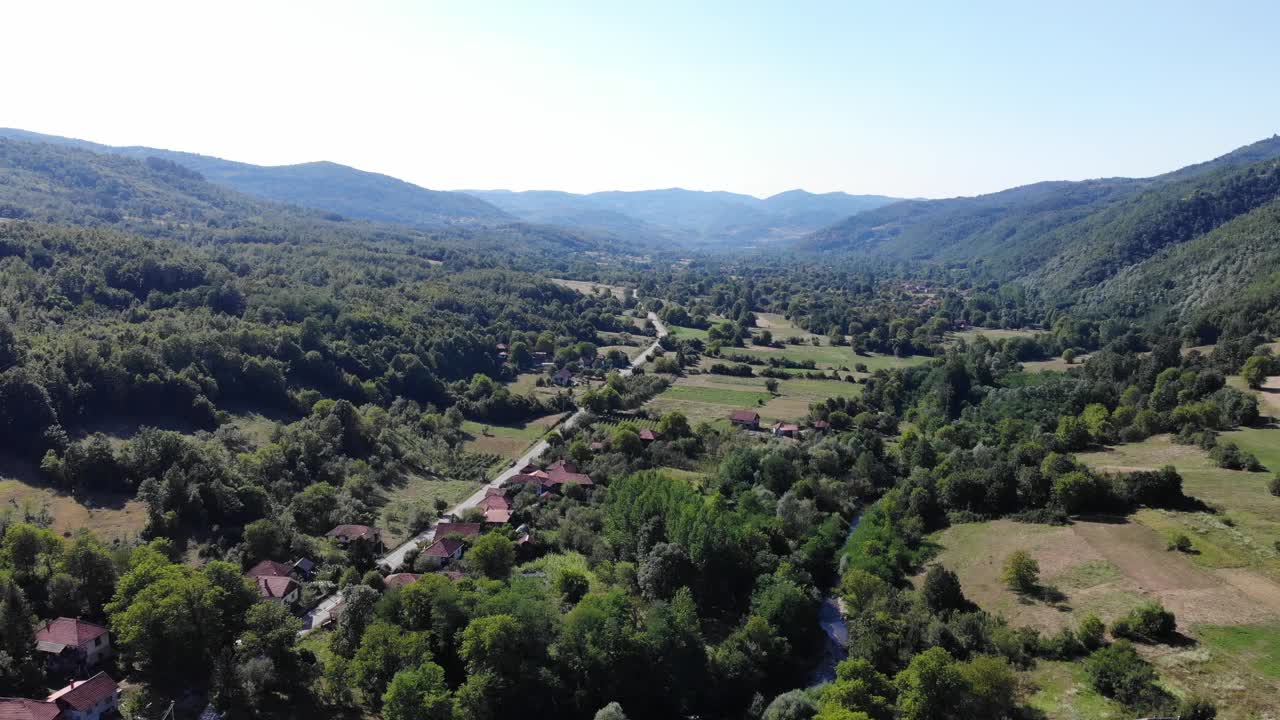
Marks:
<point>910,99</point>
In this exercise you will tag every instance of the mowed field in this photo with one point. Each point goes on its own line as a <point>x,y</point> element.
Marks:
<point>587,287</point>
<point>707,397</point>
<point>1226,594</point>
<point>972,334</point>
<point>508,442</point>
<point>108,516</point>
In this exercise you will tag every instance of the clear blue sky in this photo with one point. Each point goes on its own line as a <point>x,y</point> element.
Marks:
<point>901,98</point>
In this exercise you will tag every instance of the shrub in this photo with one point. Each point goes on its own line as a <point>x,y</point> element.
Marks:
<point>1274,486</point>
<point>1021,572</point>
<point>1180,542</point>
<point>1229,455</point>
<point>1149,622</point>
<point>1117,671</point>
<point>1197,708</point>
<point>1092,632</point>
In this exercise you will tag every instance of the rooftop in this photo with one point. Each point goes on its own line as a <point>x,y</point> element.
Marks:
<point>69,631</point>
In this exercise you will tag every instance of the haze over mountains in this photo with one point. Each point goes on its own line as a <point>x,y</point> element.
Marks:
<point>687,216</point>
<point>1183,239</point>
<point>657,216</point>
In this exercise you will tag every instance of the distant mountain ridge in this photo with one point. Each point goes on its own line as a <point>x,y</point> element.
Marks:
<point>323,185</point>
<point>686,216</point>
<point>1117,244</point>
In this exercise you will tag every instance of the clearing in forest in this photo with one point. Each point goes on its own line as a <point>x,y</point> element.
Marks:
<point>588,287</point>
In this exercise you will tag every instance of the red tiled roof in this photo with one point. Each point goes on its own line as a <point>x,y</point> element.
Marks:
<point>497,516</point>
<point>269,567</point>
<point>275,587</point>
<point>820,424</point>
<point>566,465</point>
<point>352,532</point>
<point>443,548</point>
<point>453,575</point>
<point>84,694</point>
<point>458,528</point>
<point>69,631</point>
<point>787,427</point>
<point>647,434</point>
<point>495,502</point>
<point>564,477</point>
<point>401,579</point>
<point>21,709</point>
<point>744,416</point>
<point>597,445</point>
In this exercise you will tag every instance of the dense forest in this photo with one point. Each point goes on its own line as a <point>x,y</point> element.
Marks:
<point>651,565</point>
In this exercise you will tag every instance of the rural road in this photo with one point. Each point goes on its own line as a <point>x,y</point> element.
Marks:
<point>392,561</point>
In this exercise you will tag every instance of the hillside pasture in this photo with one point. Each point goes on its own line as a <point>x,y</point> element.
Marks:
<point>590,287</point>
<point>109,516</point>
<point>507,442</point>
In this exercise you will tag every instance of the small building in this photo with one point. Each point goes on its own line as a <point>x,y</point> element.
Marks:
<point>563,377</point>
<point>91,699</point>
<point>346,534</point>
<point>71,645</point>
<point>304,569</point>
<point>596,446</point>
<point>647,436</point>
<point>400,580</point>
<point>786,430</point>
<point>563,465</point>
<point>497,509</point>
<point>442,552</point>
<point>280,589</point>
<point>464,529</point>
<point>528,469</point>
<point>270,568</point>
<point>20,709</point>
<point>747,419</point>
<point>821,426</point>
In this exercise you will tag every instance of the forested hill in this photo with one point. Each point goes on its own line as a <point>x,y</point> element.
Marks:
<point>159,198</point>
<point>686,216</point>
<point>1076,240</point>
<point>323,185</point>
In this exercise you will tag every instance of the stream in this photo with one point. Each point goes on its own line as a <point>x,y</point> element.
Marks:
<point>835,631</point>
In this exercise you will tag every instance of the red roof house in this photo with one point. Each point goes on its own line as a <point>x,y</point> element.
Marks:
<point>821,425</point>
<point>71,644</point>
<point>745,418</point>
<point>786,429</point>
<point>399,580</point>
<point>647,436</point>
<point>344,534</point>
<point>464,529</point>
<point>20,709</point>
<point>270,567</point>
<point>278,588</point>
<point>87,699</point>
<point>443,551</point>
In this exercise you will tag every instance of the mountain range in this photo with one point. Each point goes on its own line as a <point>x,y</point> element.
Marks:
<point>1181,240</point>
<point>686,216</point>
<point>673,216</point>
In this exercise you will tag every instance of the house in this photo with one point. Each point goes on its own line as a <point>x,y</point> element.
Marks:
<point>304,569</point>
<point>563,377</point>
<point>71,645</point>
<point>821,426</point>
<point>647,436</point>
<point>346,534</point>
<point>470,530</point>
<point>270,568</point>
<point>747,419</point>
<point>91,699</point>
<point>565,474</point>
<point>497,509</point>
<point>279,589</point>
<point>786,430</point>
<point>20,709</point>
<point>596,446</point>
<point>442,552</point>
<point>528,469</point>
<point>399,580</point>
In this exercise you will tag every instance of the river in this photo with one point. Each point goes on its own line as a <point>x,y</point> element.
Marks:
<point>835,631</point>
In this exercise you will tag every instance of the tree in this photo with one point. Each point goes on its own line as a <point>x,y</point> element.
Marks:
<point>665,569</point>
<point>1149,622</point>
<point>612,711</point>
<point>674,425</point>
<point>418,694</point>
<point>858,688</point>
<point>932,687</point>
<point>313,508</point>
<point>572,584</point>
<point>357,613</point>
<point>1091,633</point>
<point>771,384</point>
<point>1255,371</point>
<point>385,650</point>
<point>1021,572</point>
<point>1072,433</point>
<point>1117,671</point>
<point>992,687</point>
<point>941,590</point>
<point>493,555</point>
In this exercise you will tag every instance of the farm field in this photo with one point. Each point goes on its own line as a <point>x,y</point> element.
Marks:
<point>707,397</point>
<point>972,334</point>
<point>587,287</point>
<point>829,357</point>
<point>108,516</point>
<point>1053,365</point>
<point>780,327</point>
<point>417,491</point>
<point>504,441</point>
<point>679,331</point>
<point>1107,566</point>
